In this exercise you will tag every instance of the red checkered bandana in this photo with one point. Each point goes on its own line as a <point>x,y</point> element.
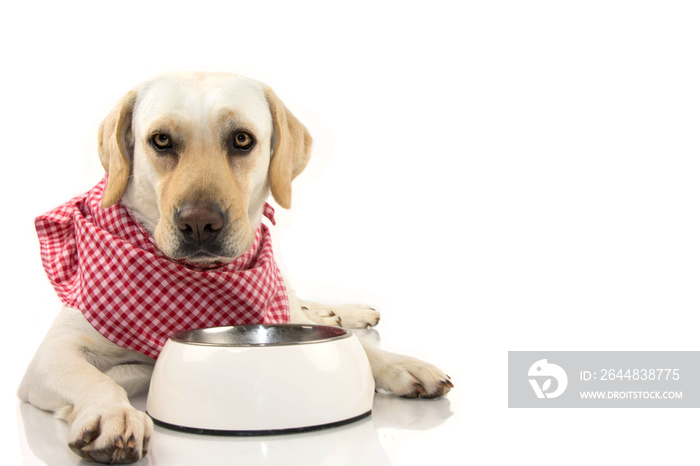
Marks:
<point>104,263</point>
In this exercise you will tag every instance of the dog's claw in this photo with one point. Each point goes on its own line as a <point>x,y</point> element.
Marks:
<point>420,392</point>
<point>88,437</point>
<point>120,437</point>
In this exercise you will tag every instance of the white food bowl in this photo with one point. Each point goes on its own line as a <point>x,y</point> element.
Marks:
<point>260,380</point>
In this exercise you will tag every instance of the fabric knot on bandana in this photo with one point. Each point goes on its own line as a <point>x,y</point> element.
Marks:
<point>104,263</point>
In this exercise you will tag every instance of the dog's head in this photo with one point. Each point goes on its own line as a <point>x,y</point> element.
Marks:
<point>194,156</point>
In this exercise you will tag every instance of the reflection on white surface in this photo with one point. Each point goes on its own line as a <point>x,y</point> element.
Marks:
<point>409,414</point>
<point>44,439</point>
<point>354,444</point>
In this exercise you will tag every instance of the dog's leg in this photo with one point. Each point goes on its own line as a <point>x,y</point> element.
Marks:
<point>132,377</point>
<point>348,315</point>
<point>401,375</point>
<point>66,376</point>
<point>405,376</point>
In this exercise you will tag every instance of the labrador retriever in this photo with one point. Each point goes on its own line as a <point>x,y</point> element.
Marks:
<point>192,157</point>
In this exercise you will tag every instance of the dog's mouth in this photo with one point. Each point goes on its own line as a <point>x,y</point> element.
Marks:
<point>202,240</point>
<point>203,258</point>
<point>211,254</point>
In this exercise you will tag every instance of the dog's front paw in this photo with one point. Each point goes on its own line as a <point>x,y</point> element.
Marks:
<point>111,435</point>
<point>357,315</point>
<point>323,316</point>
<point>345,315</point>
<point>411,378</point>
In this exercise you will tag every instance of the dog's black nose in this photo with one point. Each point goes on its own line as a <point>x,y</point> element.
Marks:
<point>199,223</point>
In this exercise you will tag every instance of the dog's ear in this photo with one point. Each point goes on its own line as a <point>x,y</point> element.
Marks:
<point>291,149</point>
<point>116,145</point>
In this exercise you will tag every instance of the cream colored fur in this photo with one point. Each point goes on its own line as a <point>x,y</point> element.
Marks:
<point>84,378</point>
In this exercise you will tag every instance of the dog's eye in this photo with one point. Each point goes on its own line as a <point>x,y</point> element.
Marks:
<point>161,141</point>
<point>243,140</point>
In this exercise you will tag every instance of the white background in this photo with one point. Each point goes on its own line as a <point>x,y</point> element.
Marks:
<point>492,176</point>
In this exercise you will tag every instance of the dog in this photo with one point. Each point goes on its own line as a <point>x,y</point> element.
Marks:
<point>192,157</point>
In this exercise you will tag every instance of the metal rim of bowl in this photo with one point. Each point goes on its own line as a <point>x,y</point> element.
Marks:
<point>259,335</point>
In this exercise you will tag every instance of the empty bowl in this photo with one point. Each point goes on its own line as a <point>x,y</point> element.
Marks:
<point>260,380</point>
